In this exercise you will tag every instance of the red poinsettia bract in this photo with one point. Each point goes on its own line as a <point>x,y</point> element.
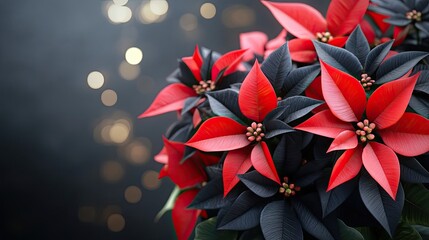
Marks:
<point>245,143</point>
<point>173,97</point>
<point>257,43</point>
<point>307,24</point>
<point>358,125</point>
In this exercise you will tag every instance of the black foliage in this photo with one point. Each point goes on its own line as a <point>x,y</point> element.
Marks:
<point>277,66</point>
<point>298,106</point>
<point>259,184</point>
<point>276,127</point>
<point>287,156</point>
<point>190,103</point>
<point>376,56</point>
<point>299,79</point>
<point>230,79</point>
<point>186,76</point>
<point>358,45</point>
<point>412,171</point>
<point>228,99</point>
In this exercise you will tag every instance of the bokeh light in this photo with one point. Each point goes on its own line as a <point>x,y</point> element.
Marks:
<point>188,22</point>
<point>128,71</point>
<point>147,16</point>
<point>95,80</point>
<point>119,14</point>
<point>133,55</point>
<point>138,151</point>
<point>238,16</point>
<point>87,214</point>
<point>111,171</point>
<point>208,10</point>
<point>158,7</point>
<point>120,2</point>
<point>150,180</point>
<point>116,222</point>
<point>119,132</point>
<point>109,97</point>
<point>132,194</point>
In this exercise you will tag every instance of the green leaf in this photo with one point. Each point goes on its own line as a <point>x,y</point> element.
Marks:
<point>405,231</point>
<point>169,204</point>
<point>368,233</point>
<point>416,207</point>
<point>206,230</point>
<point>423,231</point>
<point>348,233</point>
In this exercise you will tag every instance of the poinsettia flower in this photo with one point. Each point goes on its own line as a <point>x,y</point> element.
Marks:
<point>258,44</point>
<point>402,13</point>
<point>307,24</point>
<point>198,74</point>
<point>370,131</point>
<point>245,143</point>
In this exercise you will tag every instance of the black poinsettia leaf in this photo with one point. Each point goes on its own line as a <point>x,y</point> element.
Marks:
<point>189,104</point>
<point>419,102</point>
<point>412,171</point>
<point>422,230</point>
<point>259,184</point>
<point>309,222</point>
<point>208,61</point>
<point>183,123</point>
<point>277,113</point>
<point>376,56</point>
<point>339,58</point>
<point>299,79</point>
<point>277,66</point>
<point>349,233</point>
<point>358,45</point>
<point>287,156</point>
<point>279,221</point>
<point>230,79</point>
<point>422,84</point>
<point>215,171</point>
<point>244,213</point>
<point>186,77</point>
<point>252,234</point>
<point>332,199</point>
<point>298,106</point>
<point>226,104</point>
<point>174,77</point>
<point>276,127</point>
<point>211,196</point>
<point>382,207</point>
<point>398,65</point>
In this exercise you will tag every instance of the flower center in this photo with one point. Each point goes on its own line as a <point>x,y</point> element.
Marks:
<point>288,189</point>
<point>254,132</point>
<point>365,131</point>
<point>366,81</point>
<point>414,15</point>
<point>204,86</point>
<point>324,37</point>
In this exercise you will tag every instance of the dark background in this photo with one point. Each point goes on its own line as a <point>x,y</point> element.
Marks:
<point>52,155</point>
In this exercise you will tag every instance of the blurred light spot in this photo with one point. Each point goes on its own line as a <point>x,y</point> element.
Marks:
<point>109,97</point>
<point>128,71</point>
<point>112,171</point>
<point>208,10</point>
<point>119,132</point>
<point>138,151</point>
<point>120,2</point>
<point>133,55</point>
<point>133,194</point>
<point>188,22</point>
<point>238,16</point>
<point>87,214</point>
<point>95,80</point>
<point>116,222</point>
<point>146,15</point>
<point>119,14</point>
<point>107,211</point>
<point>150,180</point>
<point>158,7</point>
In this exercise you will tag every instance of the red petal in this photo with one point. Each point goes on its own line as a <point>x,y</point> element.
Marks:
<point>338,41</point>
<point>379,20</point>
<point>163,172</point>
<point>184,219</point>
<point>255,42</point>
<point>387,104</point>
<point>171,98</point>
<point>302,50</point>
<point>409,136</point>
<point>236,162</point>
<point>302,20</point>
<point>186,174</point>
<point>346,167</point>
<point>257,96</point>
<point>228,61</point>
<point>383,165</point>
<point>315,91</point>
<point>368,31</point>
<point>263,162</point>
<point>219,134</point>
<point>207,158</point>
<point>278,41</point>
<point>325,124</point>
<point>345,140</point>
<point>399,34</point>
<point>196,118</point>
<point>344,15</point>
<point>162,156</point>
<point>194,63</point>
<point>343,93</point>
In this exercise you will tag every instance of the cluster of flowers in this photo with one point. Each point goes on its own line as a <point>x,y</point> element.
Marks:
<point>320,133</point>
